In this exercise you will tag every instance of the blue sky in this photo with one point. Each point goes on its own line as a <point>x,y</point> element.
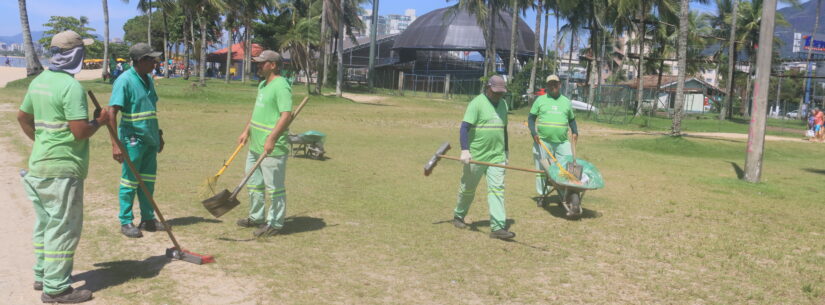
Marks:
<point>40,11</point>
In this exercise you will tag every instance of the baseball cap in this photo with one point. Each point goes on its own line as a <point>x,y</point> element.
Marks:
<point>552,78</point>
<point>267,55</point>
<point>497,84</point>
<point>68,40</point>
<point>141,50</point>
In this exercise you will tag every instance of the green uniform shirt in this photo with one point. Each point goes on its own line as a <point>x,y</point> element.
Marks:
<point>553,116</point>
<point>273,98</point>
<point>487,135</point>
<point>138,102</point>
<point>55,98</point>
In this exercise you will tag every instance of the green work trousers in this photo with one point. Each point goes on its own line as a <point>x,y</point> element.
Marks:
<point>560,150</point>
<point>269,177</point>
<point>495,193</point>
<point>58,204</point>
<point>145,159</point>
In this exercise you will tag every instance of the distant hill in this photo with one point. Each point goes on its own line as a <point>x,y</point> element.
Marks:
<point>802,21</point>
<point>36,35</point>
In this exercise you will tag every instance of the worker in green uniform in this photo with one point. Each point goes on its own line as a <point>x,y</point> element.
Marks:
<point>548,121</point>
<point>54,115</point>
<point>133,94</point>
<point>483,137</point>
<point>267,133</point>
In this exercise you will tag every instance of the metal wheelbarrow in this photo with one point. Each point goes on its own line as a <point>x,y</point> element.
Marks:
<point>571,192</point>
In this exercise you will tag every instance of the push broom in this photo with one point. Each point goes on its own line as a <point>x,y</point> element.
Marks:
<point>176,252</point>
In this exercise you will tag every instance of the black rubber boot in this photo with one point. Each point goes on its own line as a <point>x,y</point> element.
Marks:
<point>502,234</point>
<point>458,223</point>
<point>151,225</point>
<point>38,286</point>
<point>248,223</point>
<point>68,296</point>
<point>130,231</point>
<point>266,231</point>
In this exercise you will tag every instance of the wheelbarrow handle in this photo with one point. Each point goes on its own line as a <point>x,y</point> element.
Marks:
<point>494,164</point>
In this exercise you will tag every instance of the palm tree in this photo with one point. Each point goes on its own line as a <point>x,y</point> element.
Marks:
<point>513,38</point>
<point>105,39</point>
<point>373,31</point>
<point>728,104</point>
<point>676,128</point>
<point>231,16</point>
<point>33,66</point>
<point>530,86</point>
<point>324,61</point>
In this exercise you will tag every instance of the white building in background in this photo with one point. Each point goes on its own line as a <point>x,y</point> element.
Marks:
<point>389,24</point>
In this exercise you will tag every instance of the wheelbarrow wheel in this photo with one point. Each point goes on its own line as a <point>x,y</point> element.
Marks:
<point>574,203</point>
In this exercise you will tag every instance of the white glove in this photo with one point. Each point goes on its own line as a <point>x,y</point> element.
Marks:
<point>465,156</point>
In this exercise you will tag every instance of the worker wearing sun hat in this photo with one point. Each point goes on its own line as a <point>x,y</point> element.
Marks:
<point>483,137</point>
<point>54,114</point>
<point>273,110</point>
<point>134,95</point>
<point>548,121</point>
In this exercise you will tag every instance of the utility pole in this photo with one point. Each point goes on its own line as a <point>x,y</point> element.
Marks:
<point>756,132</point>
<point>373,31</point>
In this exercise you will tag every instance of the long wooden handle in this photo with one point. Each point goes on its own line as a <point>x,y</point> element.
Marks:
<point>493,164</point>
<point>113,136</point>
<point>232,157</point>
<point>263,155</point>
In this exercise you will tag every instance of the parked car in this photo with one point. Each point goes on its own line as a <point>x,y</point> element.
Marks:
<point>793,114</point>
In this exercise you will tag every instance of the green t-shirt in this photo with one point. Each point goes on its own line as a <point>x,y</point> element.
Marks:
<point>273,98</point>
<point>55,98</point>
<point>553,117</point>
<point>138,103</point>
<point>487,135</point>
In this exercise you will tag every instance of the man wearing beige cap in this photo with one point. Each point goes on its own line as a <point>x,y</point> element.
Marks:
<point>133,94</point>
<point>483,137</point>
<point>272,112</point>
<point>549,119</point>
<point>54,114</point>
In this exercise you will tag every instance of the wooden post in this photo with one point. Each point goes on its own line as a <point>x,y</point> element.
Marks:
<point>400,83</point>
<point>447,87</point>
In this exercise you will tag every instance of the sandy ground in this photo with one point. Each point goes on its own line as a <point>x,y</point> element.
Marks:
<point>16,223</point>
<point>8,74</point>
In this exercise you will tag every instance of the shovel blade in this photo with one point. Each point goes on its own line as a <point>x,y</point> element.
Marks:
<point>221,203</point>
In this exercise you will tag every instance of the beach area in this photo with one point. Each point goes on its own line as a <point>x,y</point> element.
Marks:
<point>8,74</point>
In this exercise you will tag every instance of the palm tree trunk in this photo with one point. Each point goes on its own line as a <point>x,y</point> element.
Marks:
<point>202,71</point>
<point>727,105</point>
<point>544,44</point>
<point>558,41</point>
<point>676,128</point>
<point>322,71</point>
<point>166,49</point>
<point>640,89</point>
<point>192,37</point>
<point>33,66</point>
<point>569,63</point>
<point>808,71</point>
<point>591,88</point>
<point>229,62</point>
<point>531,85</point>
<point>248,51</point>
<point>513,39</point>
<point>490,57</point>
<point>188,47</point>
<point>149,24</point>
<point>340,77</point>
<point>373,34</point>
<point>105,65</point>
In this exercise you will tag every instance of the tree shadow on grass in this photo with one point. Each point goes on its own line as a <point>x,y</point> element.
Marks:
<point>815,171</point>
<point>739,172</point>
<point>110,274</point>
<point>190,220</point>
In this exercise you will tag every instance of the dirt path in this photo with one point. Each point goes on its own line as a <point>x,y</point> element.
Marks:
<point>8,74</point>
<point>366,99</point>
<point>16,223</point>
<point>703,135</point>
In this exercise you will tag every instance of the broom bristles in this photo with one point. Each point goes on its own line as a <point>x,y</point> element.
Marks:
<point>208,188</point>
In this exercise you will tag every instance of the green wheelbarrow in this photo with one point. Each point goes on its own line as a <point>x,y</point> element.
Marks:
<point>571,192</point>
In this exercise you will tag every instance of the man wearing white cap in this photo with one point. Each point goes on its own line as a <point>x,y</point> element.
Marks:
<point>272,112</point>
<point>483,137</point>
<point>54,115</point>
<point>554,113</point>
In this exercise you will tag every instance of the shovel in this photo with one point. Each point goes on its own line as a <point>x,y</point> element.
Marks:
<point>225,201</point>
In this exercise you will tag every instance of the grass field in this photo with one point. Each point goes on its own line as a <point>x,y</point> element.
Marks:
<point>674,224</point>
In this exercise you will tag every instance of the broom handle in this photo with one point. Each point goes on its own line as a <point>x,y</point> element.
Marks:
<point>113,136</point>
<point>263,156</point>
<point>232,157</point>
<point>493,164</point>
